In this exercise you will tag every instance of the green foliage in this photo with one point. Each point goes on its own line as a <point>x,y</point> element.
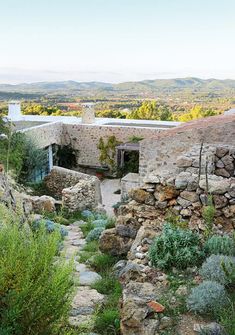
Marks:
<point>87,228</point>
<point>111,223</point>
<point>34,289</point>
<point>208,297</point>
<point>103,262</point>
<point>100,223</point>
<point>208,215</point>
<point>197,112</point>
<point>226,317</point>
<point>108,151</point>
<point>224,245</point>
<point>176,247</point>
<point>175,220</point>
<point>108,322</point>
<point>94,234</point>
<point>108,285</point>
<point>135,139</point>
<point>67,157</point>
<point>218,268</point>
<point>110,114</point>
<point>150,110</point>
<point>92,246</point>
<point>20,154</point>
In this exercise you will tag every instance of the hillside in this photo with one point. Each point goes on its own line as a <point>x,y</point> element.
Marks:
<point>140,88</point>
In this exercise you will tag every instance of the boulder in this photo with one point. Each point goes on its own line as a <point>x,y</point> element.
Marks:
<point>216,184</point>
<point>184,162</point>
<point>163,193</point>
<point>221,151</point>
<point>114,244</point>
<point>186,180</point>
<point>222,172</point>
<point>127,225</point>
<point>88,278</point>
<point>190,196</point>
<point>135,312</point>
<point>139,195</point>
<point>220,201</point>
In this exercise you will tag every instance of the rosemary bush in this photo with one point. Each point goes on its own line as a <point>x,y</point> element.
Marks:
<point>34,289</point>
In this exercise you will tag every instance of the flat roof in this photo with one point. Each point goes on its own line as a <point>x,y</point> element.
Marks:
<point>98,121</point>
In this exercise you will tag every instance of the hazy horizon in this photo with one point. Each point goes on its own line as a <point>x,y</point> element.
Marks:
<point>151,77</point>
<point>116,41</point>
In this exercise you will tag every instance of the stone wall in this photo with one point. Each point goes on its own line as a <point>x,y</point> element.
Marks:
<point>85,138</point>
<point>160,153</point>
<point>46,134</point>
<point>77,190</point>
<point>182,195</point>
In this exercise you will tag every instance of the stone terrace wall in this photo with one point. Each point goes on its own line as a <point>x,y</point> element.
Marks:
<point>60,179</point>
<point>159,153</point>
<point>85,138</point>
<point>46,134</point>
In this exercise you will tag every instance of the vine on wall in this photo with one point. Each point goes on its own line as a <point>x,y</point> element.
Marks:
<point>108,151</point>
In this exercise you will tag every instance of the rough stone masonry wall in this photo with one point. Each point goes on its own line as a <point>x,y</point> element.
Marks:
<point>159,153</point>
<point>183,194</point>
<point>85,138</point>
<point>77,190</point>
<point>46,134</point>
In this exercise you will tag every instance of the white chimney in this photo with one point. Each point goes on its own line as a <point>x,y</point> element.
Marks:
<point>14,111</point>
<point>88,113</point>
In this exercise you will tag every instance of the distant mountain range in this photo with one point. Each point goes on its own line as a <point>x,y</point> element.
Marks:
<point>138,88</point>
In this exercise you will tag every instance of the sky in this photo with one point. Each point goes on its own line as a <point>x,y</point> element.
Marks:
<point>116,40</point>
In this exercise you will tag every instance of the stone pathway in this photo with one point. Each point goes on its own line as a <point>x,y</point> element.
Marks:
<point>86,299</point>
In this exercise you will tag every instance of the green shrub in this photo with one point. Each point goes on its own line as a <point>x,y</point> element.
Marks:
<point>108,322</point>
<point>218,268</point>
<point>92,246</point>
<point>208,297</point>
<point>100,223</point>
<point>226,318</point>
<point>34,289</point>
<point>208,214</point>
<point>224,245</point>
<point>21,155</point>
<point>108,285</point>
<point>94,234</point>
<point>176,247</point>
<point>86,228</point>
<point>111,223</point>
<point>103,262</point>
